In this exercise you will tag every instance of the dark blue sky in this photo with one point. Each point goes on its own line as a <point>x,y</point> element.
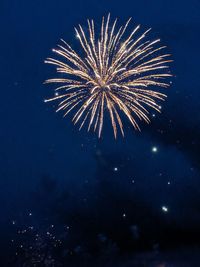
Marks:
<point>36,142</point>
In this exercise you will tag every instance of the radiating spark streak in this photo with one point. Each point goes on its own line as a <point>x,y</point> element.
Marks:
<point>116,74</point>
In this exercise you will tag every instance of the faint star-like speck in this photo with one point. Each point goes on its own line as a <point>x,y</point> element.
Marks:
<point>115,169</point>
<point>154,149</point>
<point>165,209</point>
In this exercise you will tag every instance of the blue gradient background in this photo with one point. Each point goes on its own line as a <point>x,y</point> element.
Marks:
<point>40,149</point>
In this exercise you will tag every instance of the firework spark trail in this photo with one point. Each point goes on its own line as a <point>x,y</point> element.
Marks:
<point>114,75</point>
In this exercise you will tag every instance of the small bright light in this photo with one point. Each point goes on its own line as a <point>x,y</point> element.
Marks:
<point>56,94</point>
<point>154,149</point>
<point>115,169</point>
<point>164,209</point>
<point>169,183</point>
<point>30,214</point>
<point>160,107</point>
<point>124,215</point>
<point>153,115</point>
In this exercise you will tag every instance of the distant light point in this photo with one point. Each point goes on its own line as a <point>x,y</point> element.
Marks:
<point>115,169</point>
<point>154,149</point>
<point>164,209</point>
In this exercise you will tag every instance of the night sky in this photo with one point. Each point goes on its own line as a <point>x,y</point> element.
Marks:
<point>71,199</point>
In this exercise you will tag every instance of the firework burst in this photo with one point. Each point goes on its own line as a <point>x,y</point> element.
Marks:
<point>115,74</point>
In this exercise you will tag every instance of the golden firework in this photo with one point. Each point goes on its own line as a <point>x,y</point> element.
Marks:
<point>114,74</point>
